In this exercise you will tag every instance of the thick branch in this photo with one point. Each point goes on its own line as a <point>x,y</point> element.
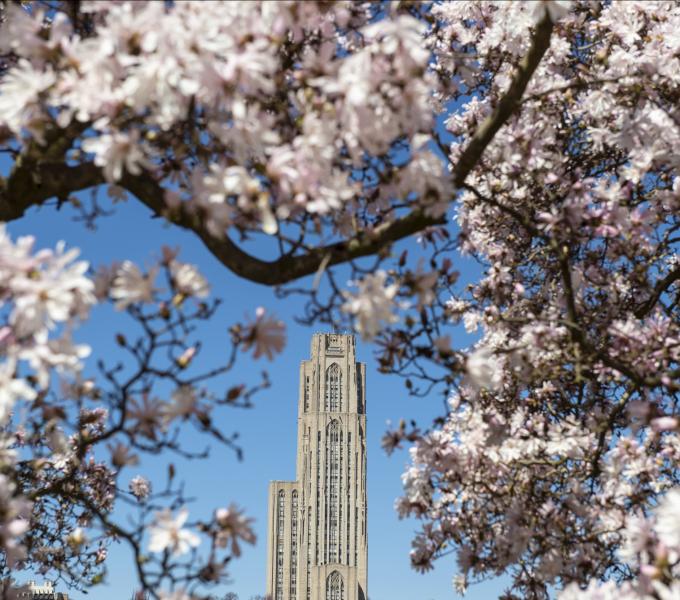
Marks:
<point>40,173</point>
<point>32,182</point>
<point>286,268</point>
<point>662,286</point>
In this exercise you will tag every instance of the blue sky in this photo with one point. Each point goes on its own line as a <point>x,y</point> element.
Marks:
<point>267,431</point>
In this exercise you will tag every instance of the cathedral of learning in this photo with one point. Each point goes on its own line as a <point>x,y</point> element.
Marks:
<point>317,538</point>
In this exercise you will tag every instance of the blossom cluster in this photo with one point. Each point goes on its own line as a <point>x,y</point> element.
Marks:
<point>42,295</point>
<point>280,142</point>
<point>652,549</point>
<point>55,484</point>
<point>563,419</point>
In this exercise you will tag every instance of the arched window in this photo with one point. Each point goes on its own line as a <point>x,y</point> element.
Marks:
<point>335,587</point>
<point>333,388</point>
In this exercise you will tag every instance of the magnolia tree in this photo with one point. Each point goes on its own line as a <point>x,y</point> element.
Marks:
<point>541,138</point>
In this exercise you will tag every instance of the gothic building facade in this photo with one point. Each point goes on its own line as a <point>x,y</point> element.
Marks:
<point>317,537</point>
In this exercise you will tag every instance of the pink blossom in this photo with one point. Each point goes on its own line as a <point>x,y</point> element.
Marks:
<point>232,527</point>
<point>664,424</point>
<point>485,369</point>
<point>117,152</point>
<point>372,304</point>
<point>130,285</point>
<point>188,281</point>
<point>140,487</point>
<point>267,335</point>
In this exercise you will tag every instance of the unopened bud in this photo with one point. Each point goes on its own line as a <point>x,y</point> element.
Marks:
<point>187,356</point>
<point>164,311</point>
<point>76,538</point>
<point>178,299</point>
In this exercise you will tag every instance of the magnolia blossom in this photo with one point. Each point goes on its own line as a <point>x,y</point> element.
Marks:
<point>233,526</point>
<point>668,520</point>
<point>121,455</point>
<point>485,369</point>
<point>77,538</point>
<point>16,512</point>
<point>183,405</point>
<point>166,533</point>
<point>140,487</point>
<point>184,359</point>
<point>52,292</point>
<point>103,280</point>
<point>147,413</point>
<point>130,285</point>
<point>373,304</point>
<point>267,335</point>
<point>12,389</point>
<point>19,93</point>
<point>188,281</point>
<point>118,152</point>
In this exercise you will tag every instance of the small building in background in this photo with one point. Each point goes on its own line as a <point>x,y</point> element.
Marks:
<point>34,591</point>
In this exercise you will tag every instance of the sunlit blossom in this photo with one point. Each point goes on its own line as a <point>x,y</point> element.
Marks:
<point>140,487</point>
<point>130,285</point>
<point>167,533</point>
<point>188,281</point>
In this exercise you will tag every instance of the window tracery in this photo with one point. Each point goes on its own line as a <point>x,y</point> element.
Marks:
<point>335,587</point>
<point>333,388</point>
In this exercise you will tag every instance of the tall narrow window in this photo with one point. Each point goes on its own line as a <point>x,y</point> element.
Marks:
<point>293,544</point>
<point>341,452</point>
<point>335,587</point>
<point>309,551</point>
<point>333,492</point>
<point>360,392</point>
<point>333,388</point>
<point>318,495</point>
<point>356,527</point>
<point>347,489</point>
<point>280,517</point>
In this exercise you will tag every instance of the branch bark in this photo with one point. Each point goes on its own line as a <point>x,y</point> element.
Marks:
<point>661,287</point>
<point>32,181</point>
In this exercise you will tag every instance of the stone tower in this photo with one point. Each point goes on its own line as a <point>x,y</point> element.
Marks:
<point>317,538</point>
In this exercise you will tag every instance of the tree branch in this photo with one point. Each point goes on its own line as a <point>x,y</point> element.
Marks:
<point>40,172</point>
<point>659,289</point>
